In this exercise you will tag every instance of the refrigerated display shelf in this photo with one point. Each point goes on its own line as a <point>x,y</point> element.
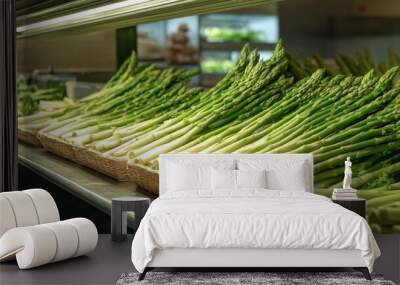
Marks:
<point>129,13</point>
<point>88,185</point>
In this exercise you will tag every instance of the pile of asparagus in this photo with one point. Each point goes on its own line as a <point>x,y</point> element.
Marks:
<point>258,107</point>
<point>358,64</point>
<point>31,99</point>
<point>134,94</point>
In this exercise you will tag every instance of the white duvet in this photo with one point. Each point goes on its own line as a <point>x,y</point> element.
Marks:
<point>250,219</point>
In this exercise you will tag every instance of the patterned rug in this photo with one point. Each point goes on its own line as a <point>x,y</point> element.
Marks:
<point>243,278</point>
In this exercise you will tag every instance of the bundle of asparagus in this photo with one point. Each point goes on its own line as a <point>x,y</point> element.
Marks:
<point>358,64</point>
<point>258,107</point>
<point>132,95</point>
<point>31,99</point>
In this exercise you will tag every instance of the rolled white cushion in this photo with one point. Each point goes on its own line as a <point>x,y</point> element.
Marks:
<point>67,240</point>
<point>87,235</point>
<point>37,245</point>
<point>45,205</point>
<point>33,246</point>
<point>23,208</point>
<point>7,218</point>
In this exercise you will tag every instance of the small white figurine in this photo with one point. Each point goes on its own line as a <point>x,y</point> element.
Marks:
<point>347,174</point>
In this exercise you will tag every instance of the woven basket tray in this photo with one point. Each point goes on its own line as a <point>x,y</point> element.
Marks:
<point>115,168</point>
<point>57,146</point>
<point>144,177</point>
<point>28,137</point>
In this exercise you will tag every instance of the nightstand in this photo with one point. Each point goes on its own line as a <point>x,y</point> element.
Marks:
<point>119,208</point>
<point>356,205</point>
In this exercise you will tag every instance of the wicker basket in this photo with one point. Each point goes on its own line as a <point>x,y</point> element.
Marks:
<point>28,137</point>
<point>115,168</point>
<point>57,146</point>
<point>144,177</point>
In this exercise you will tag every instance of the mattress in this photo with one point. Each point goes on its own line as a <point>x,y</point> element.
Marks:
<point>250,219</point>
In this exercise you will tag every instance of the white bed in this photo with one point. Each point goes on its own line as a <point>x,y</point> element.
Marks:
<point>250,227</point>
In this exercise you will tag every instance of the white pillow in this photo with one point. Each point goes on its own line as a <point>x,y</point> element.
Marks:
<point>251,178</point>
<point>282,174</point>
<point>182,177</point>
<point>226,179</point>
<point>193,173</point>
<point>223,179</point>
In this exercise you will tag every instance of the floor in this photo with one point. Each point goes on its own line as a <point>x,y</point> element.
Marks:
<point>111,259</point>
<point>388,264</point>
<point>103,266</point>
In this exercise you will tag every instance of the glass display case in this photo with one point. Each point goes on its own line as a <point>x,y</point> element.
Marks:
<point>222,36</point>
<point>239,28</point>
<point>209,42</point>
<point>151,41</point>
<point>174,41</point>
<point>182,40</point>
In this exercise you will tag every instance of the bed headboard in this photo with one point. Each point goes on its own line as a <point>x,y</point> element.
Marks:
<point>164,159</point>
